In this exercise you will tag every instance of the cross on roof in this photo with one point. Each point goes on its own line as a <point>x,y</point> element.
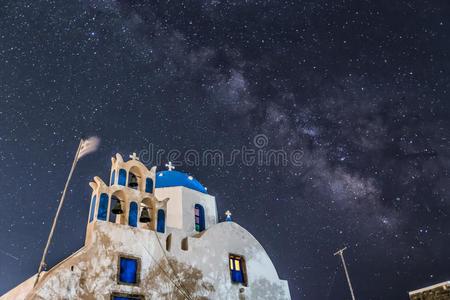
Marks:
<point>228,214</point>
<point>134,156</point>
<point>169,166</point>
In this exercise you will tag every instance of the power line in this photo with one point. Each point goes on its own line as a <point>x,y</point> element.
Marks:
<point>183,292</point>
<point>168,261</point>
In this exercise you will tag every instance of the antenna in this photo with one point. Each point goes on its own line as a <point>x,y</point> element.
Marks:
<point>341,253</point>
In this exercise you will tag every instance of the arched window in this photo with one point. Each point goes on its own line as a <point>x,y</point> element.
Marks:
<point>184,244</point>
<point>113,178</point>
<point>91,217</point>
<point>149,185</point>
<point>103,207</point>
<point>160,227</point>
<point>168,242</point>
<point>122,177</point>
<point>237,269</point>
<point>132,216</point>
<point>132,181</point>
<point>199,218</point>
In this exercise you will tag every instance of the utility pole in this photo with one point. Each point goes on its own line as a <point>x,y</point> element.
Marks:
<point>341,253</point>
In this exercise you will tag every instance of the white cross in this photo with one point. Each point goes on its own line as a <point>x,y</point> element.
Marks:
<point>134,156</point>
<point>228,214</point>
<point>169,166</point>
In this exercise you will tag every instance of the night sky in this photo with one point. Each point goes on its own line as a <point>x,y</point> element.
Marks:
<point>359,88</point>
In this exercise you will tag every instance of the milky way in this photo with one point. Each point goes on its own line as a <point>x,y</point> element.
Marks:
<point>359,88</point>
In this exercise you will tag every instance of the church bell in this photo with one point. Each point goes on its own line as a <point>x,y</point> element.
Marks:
<point>133,182</point>
<point>145,218</point>
<point>117,209</point>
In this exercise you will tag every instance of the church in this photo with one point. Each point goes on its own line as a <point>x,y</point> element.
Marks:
<point>156,235</point>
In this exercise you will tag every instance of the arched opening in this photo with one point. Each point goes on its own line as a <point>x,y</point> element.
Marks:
<point>122,177</point>
<point>113,178</point>
<point>133,215</point>
<point>148,205</point>
<point>169,242</point>
<point>184,244</point>
<point>91,217</point>
<point>132,181</point>
<point>134,178</point>
<point>118,208</point>
<point>149,185</point>
<point>161,221</point>
<point>103,207</point>
<point>199,218</point>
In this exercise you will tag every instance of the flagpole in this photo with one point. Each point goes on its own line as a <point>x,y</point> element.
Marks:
<point>41,265</point>
<point>341,253</point>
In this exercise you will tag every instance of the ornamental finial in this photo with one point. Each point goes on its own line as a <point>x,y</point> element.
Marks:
<point>228,214</point>
<point>134,157</point>
<point>169,166</point>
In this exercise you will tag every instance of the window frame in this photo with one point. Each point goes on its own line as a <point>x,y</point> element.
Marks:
<point>243,268</point>
<point>123,295</point>
<point>201,218</point>
<point>138,270</point>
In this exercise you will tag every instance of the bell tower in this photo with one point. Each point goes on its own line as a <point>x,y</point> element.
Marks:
<point>129,198</point>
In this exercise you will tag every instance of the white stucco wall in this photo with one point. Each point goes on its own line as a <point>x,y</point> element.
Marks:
<point>202,270</point>
<point>91,273</point>
<point>174,217</point>
<point>210,253</point>
<point>180,207</point>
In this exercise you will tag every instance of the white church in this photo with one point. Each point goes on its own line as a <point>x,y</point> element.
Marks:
<point>156,235</point>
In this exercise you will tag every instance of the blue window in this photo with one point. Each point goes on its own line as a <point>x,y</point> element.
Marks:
<point>113,178</point>
<point>132,216</point>
<point>237,269</point>
<point>199,218</point>
<point>122,177</point>
<point>160,227</point>
<point>91,217</point>
<point>149,185</point>
<point>128,270</point>
<point>103,207</point>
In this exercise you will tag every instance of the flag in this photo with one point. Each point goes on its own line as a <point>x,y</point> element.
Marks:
<point>88,146</point>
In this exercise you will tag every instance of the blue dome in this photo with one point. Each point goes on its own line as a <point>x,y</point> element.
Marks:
<point>175,178</point>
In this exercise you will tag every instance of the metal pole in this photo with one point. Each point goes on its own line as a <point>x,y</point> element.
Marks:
<point>341,253</point>
<point>42,264</point>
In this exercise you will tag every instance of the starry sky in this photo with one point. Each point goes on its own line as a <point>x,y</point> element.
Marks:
<point>360,88</point>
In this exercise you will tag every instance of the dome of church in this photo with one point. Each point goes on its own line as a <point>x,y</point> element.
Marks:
<point>175,178</point>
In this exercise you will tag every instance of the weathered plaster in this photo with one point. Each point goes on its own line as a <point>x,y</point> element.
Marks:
<point>202,270</point>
